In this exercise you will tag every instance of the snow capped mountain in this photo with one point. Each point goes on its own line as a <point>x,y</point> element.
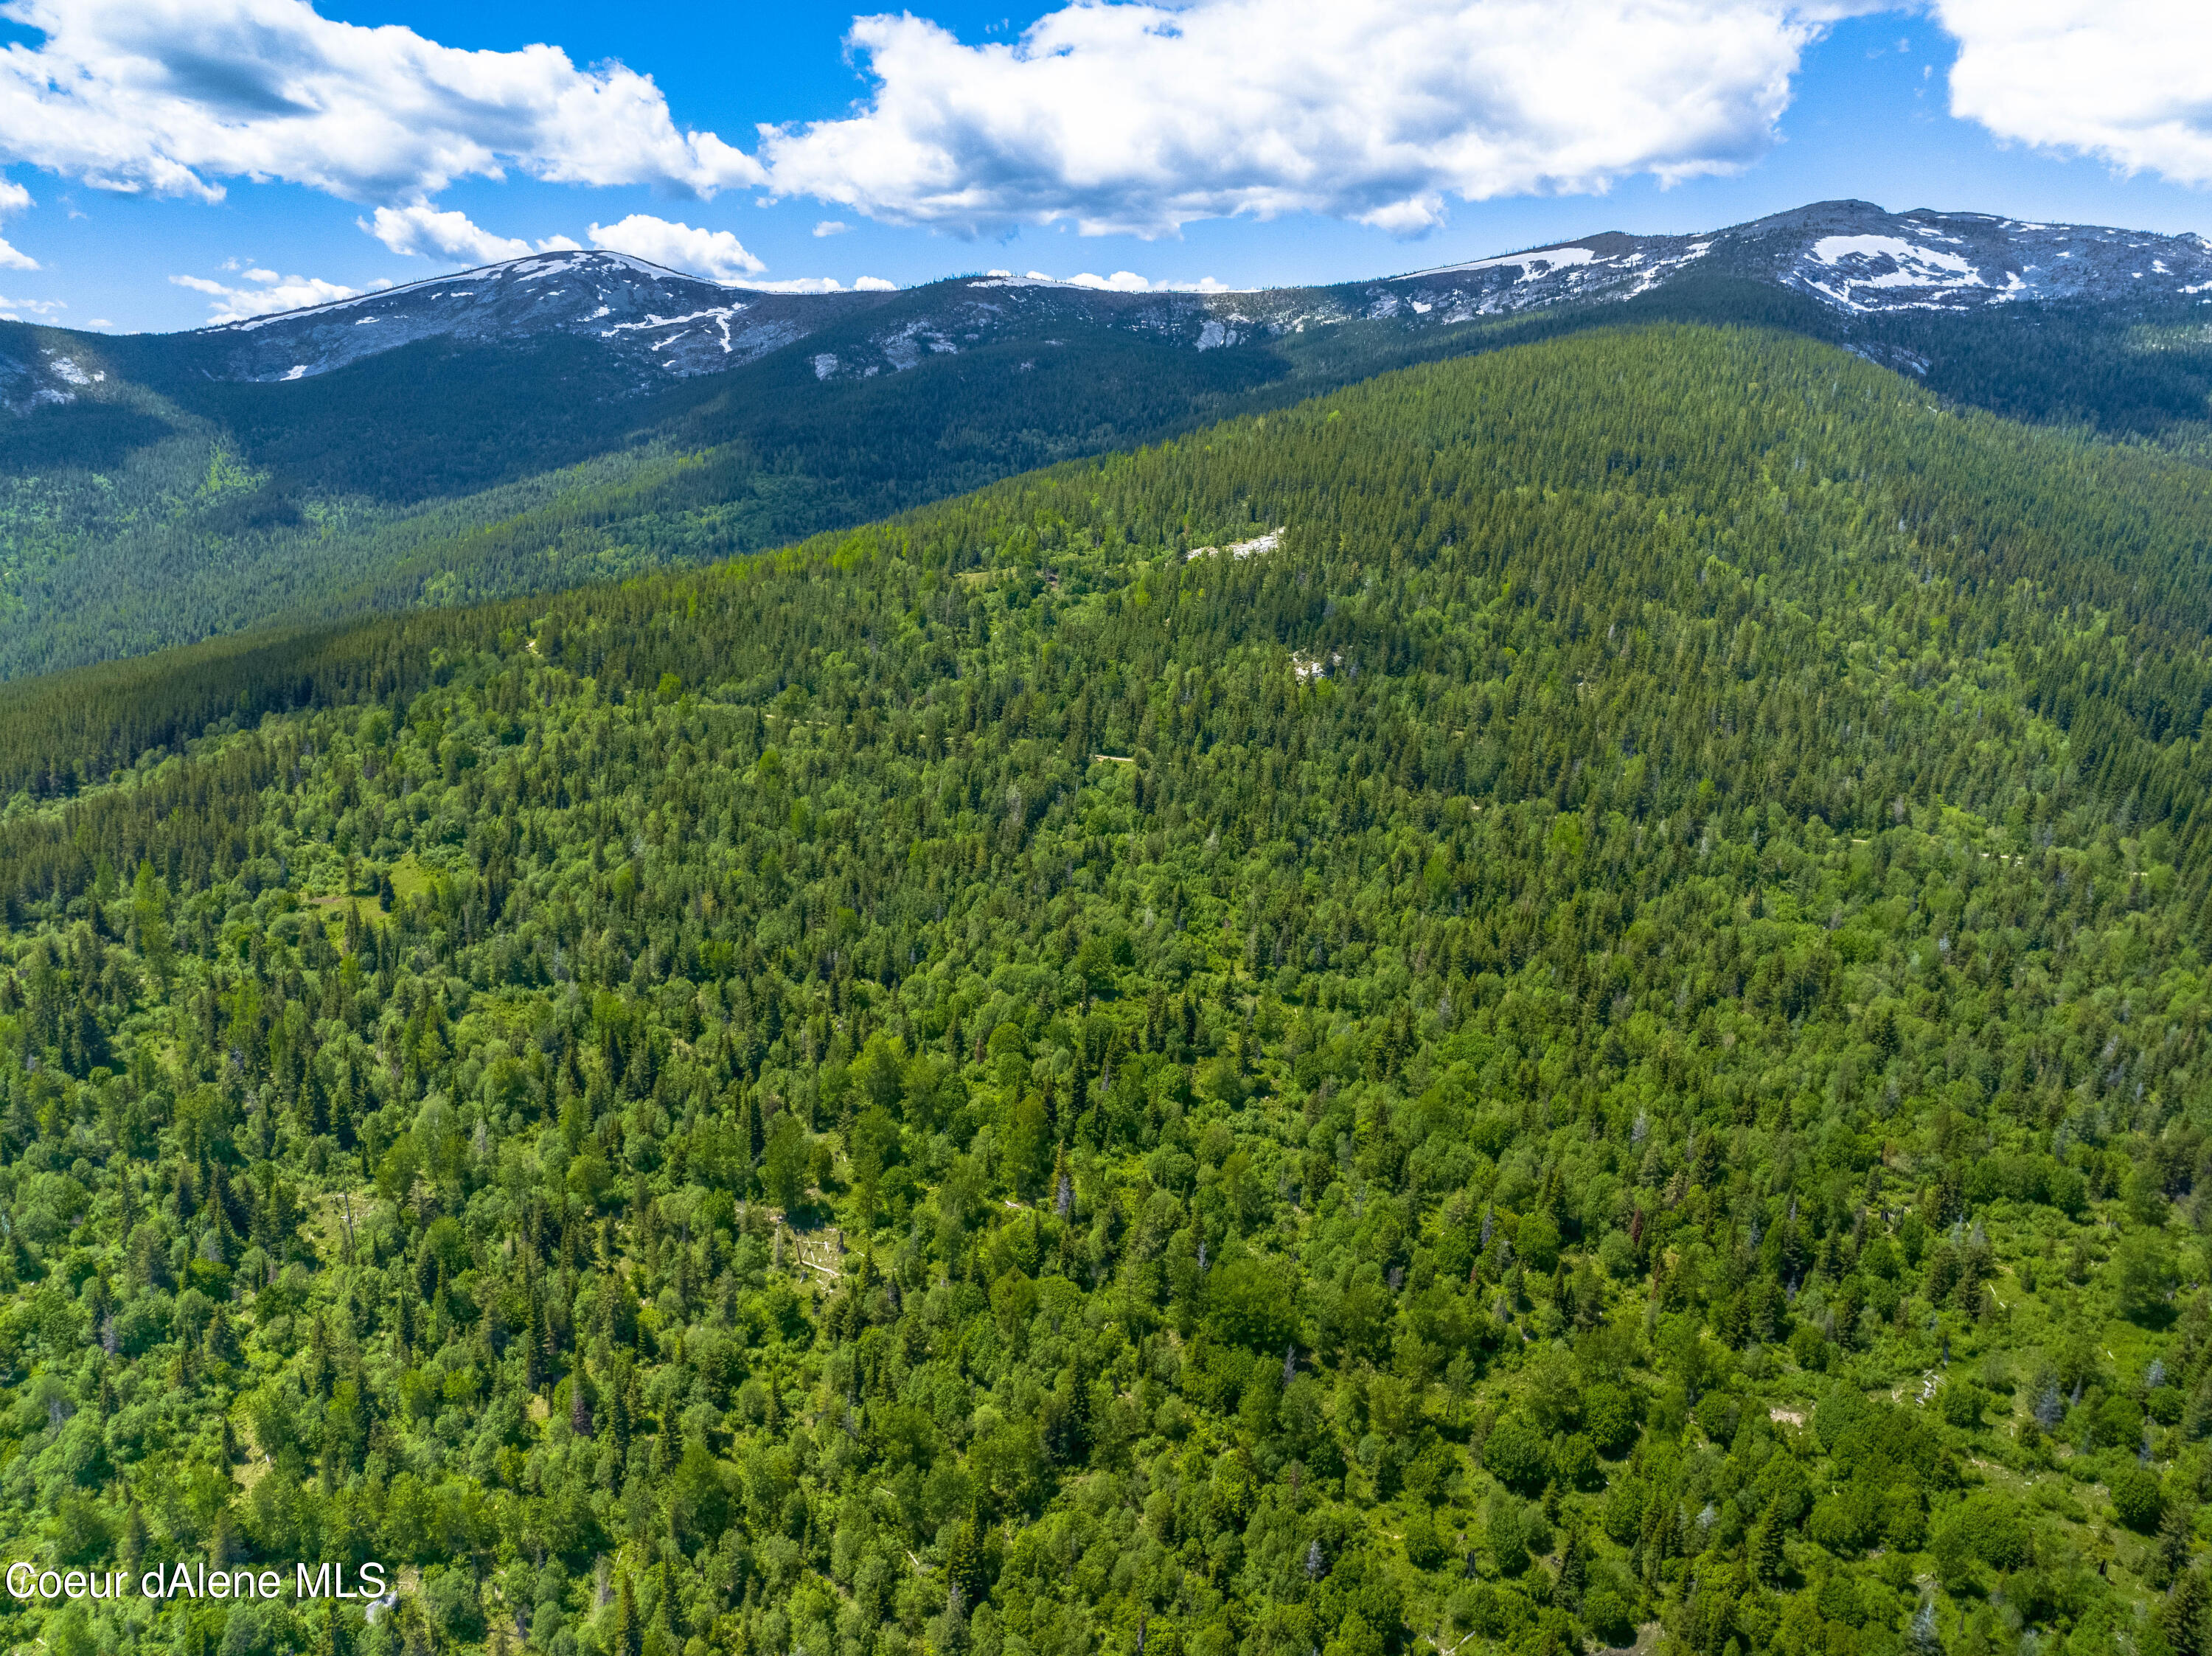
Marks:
<point>1850,256</point>
<point>1611,265</point>
<point>657,324</point>
<point>1859,258</point>
<point>660,320</point>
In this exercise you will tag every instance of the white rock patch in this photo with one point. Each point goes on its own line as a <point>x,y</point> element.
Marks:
<point>1266,542</point>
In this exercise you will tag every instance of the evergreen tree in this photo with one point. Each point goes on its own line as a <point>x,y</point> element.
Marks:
<point>963,1561</point>
<point>1574,1569</point>
<point>629,1636</point>
<point>751,1140</point>
<point>2176,1537</point>
<point>2181,1618</point>
<point>1763,1551</point>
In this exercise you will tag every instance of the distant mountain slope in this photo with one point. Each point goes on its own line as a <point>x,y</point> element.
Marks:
<point>1970,504</point>
<point>567,417</point>
<point>1850,255</point>
<point>1858,259</point>
<point>660,320</point>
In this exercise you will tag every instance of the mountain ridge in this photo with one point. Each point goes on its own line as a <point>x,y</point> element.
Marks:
<point>1852,257</point>
<point>582,416</point>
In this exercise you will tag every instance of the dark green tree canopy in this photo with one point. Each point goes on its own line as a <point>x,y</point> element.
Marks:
<point>1559,994</point>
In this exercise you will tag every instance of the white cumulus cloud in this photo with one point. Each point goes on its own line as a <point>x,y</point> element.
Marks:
<point>13,198</point>
<point>1111,116</point>
<point>866,284</point>
<point>1128,282</point>
<point>269,294</point>
<point>14,310</point>
<point>177,95</point>
<point>1121,281</point>
<point>1138,118</point>
<point>2127,80</point>
<point>715,253</point>
<point>422,229</point>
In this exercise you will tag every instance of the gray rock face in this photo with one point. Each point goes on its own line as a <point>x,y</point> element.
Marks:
<point>33,376</point>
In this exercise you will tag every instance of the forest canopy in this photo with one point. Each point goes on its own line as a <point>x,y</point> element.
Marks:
<point>1558,995</point>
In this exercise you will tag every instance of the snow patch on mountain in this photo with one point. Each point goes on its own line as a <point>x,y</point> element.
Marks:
<point>1534,267</point>
<point>1876,262</point>
<point>1909,265</point>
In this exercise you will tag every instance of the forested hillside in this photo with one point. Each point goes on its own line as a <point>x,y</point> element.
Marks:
<point>163,500</point>
<point>157,510</point>
<point>1556,995</point>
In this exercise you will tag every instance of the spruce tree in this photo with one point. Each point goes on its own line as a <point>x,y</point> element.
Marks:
<point>964,1561</point>
<point>2176,1537</point>
<point>749,1136</point>
<point>1063,1184</point>
<point>2181,1618</point>
<point>630,1637</point>
<point>1574,1568</point>
<point>1762,1552</point>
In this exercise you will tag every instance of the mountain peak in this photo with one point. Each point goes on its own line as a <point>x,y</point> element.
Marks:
<point>585,264</point>
<point>663,319</point>
<point>1855,257</point>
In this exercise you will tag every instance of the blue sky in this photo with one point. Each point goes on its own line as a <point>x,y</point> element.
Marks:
<point>168,162</point>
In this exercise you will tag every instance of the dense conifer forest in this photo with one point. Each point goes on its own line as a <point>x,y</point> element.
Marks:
<point>164,507</point>
<point>161,508</point>
<point>1554,1001</point>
